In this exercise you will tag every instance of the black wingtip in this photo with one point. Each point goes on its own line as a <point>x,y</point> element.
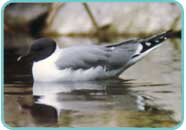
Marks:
<point>153,41</point>
<point>173,34</point>
<point>163,36</point>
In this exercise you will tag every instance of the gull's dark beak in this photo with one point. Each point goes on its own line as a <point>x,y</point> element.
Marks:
<point>24,59</point>
<point>19,58</point>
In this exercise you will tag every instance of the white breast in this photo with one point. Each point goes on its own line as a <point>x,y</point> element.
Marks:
<point>46,70</point>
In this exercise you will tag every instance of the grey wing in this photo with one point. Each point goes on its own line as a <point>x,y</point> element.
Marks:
<point>122,53</point>
<point>83,57</point>
<point>110,56</point>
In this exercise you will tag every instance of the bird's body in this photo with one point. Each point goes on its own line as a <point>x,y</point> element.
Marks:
<point>88,62</point>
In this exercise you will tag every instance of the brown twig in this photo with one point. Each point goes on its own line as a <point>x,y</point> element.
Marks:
<point>55,7</point>
<point>93,20</point>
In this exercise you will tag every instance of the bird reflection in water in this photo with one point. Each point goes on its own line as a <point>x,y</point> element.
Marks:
<point>54,100</point>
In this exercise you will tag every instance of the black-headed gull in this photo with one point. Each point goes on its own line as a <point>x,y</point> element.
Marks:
<point>88,62</point>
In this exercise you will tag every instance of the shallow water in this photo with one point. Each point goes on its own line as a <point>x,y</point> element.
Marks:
<point>147,95</point>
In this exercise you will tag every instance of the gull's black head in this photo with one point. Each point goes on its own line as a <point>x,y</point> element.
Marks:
<point>40,49</point>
